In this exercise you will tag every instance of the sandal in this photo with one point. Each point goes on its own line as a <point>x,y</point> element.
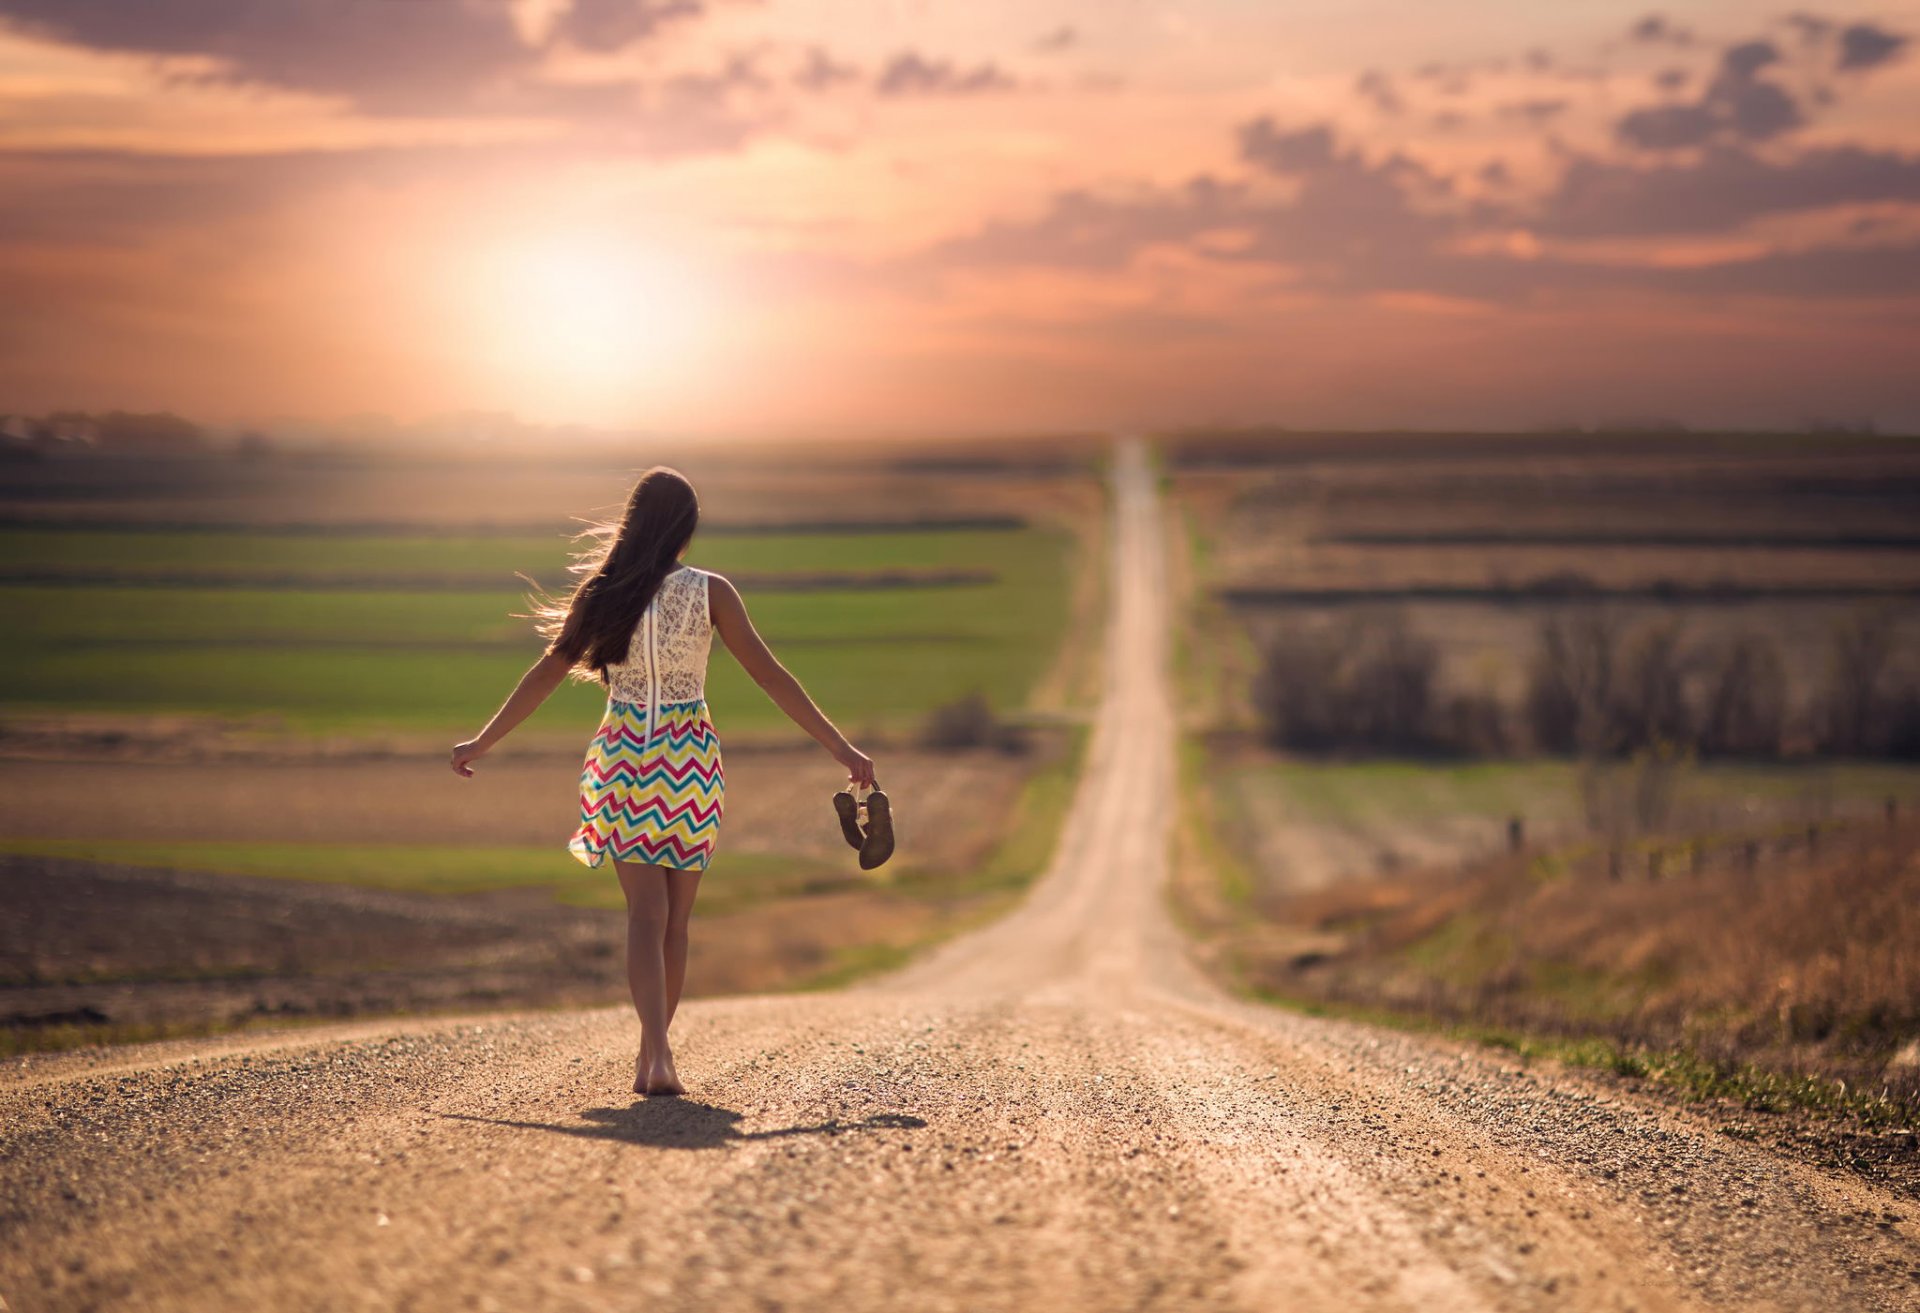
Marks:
<point>879,842</point>
<point>847,807</point>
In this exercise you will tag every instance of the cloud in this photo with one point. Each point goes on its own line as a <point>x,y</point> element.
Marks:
<point>1736,105</point>
<point>406,57</point>
<point>1537,111</point>
<point>1865,46</point>
<point>614,24</point>
<point>1725,189</point>
<point>822,71</point>
<point>1377,88</point>
<point>396,57</point>
<point>1080,230</point>
<point>1742,61</point>
<point>1811,27</point>
<point>1345,213</point>
<point>1657,29</point>
<point>1052,43</point>
<point>910,74</point>
<point>1859,271</point>
<point>1302,150</point>
<point>1355,225</point>
<point>107,198</point>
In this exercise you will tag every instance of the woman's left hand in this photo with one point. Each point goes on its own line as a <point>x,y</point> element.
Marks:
<point>859,766</point>
<point>464,755</point>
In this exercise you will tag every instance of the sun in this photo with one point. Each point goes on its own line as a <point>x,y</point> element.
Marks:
<point>592,327</point>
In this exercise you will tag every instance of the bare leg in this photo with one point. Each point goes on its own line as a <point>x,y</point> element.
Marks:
<point>682,888</point>
<point>646,891</point>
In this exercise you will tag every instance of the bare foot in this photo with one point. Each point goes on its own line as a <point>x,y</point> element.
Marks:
<point>642,1065</point>
<point>661,1078</point>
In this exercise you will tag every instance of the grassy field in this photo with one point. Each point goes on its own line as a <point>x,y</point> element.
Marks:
<point>1382,796</point>
<point>1298,826</point>
<point>780,840</point>
<point>330,659</point>
<point>1475,540</point>
<point>260,663</point>
<point>427,868</point>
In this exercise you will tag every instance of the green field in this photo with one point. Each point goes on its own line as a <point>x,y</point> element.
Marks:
<point>750,877</point>
<point>323,659</point>
<point>1382,798</point>
<point>433,868</point>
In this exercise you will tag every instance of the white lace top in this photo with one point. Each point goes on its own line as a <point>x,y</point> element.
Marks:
<point>667,661</point>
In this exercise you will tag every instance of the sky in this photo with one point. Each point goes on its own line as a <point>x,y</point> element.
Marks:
<point>873,217</point>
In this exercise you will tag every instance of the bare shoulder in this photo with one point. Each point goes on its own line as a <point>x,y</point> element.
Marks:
<point>722,596</point>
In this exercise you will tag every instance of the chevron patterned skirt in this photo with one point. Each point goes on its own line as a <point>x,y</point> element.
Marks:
<point>654,800</point>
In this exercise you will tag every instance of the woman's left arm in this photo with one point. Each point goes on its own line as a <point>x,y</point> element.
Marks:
<point>535,687</point>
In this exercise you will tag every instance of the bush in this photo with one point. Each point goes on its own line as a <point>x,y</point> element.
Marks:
<point>1647,703</point>
<point>969,722</point>
<point>1903,726</point>
<point>1851,718</point>
<point>1367,686</point>
<point>1290,692</point>
<point>1746,701</point>
<point>1475,725</point>
<point>1593,691</point>
<point>1570,684</point>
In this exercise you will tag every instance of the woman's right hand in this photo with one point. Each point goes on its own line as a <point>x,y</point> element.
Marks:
<point>859,766</point>
<point>463,757</point>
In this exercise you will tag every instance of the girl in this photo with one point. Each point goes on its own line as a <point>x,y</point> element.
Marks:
<point>651,792</point>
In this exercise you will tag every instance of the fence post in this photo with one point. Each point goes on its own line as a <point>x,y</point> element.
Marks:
<point>1893,812</point>
<point>1750,857</point>
<point>1613,863</point>
<point>1813,838</point>
<point>1516,834</point>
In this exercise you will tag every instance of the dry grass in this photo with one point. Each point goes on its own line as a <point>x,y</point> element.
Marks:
<point>1804,968</point>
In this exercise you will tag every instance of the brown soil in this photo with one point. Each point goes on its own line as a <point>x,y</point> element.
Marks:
<point>101,951</point>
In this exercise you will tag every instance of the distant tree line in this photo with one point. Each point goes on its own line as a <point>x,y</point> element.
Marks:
<point>123,433</point>
<point>1594,687</point>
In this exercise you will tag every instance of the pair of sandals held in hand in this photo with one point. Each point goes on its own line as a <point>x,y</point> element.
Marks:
<point>866,824</point>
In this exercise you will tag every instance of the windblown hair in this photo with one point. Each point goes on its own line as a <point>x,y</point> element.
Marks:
<point>619,573</point>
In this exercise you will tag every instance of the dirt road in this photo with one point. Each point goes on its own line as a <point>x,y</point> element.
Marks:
<point>1055,1112</point>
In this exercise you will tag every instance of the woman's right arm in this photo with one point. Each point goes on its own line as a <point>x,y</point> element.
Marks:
<point>730,620</point>
<point>535,687</point>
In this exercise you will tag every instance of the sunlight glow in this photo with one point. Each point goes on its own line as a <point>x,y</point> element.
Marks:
<point>591,326</point>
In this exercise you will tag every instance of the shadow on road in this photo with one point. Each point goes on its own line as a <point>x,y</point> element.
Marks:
<point>688,1124</point>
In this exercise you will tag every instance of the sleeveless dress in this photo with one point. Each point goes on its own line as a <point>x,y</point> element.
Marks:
<point>652,787</point>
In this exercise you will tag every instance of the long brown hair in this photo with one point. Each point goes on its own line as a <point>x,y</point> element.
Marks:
<point>619,573</point>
